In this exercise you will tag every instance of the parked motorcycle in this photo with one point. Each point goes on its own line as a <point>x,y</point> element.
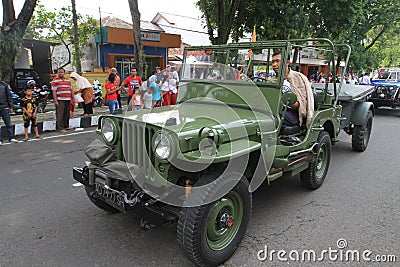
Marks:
<point>16,102</point>
<point>98,94</point>
<point>41,95</point>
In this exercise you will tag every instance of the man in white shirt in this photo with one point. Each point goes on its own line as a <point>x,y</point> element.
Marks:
<point>365,79</point>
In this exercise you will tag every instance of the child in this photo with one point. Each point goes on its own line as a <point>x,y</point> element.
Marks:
<point>165,92</point>
<point>137,99</point>
<point>148,98</point>
<point>29,108</point>
<point>173,91</point>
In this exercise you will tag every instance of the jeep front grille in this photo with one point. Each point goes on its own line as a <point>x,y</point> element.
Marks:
<point>137,146</point>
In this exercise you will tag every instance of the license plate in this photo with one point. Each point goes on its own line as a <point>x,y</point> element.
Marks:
<point>111,197</point>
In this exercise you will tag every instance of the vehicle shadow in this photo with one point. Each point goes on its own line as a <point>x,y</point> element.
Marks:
<point>382,111</point>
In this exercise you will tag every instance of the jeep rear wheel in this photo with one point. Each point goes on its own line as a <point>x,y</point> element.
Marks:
<point>361,134</point>
<point>313,177</point>
<point>99,203</point>
<point>210,234</point>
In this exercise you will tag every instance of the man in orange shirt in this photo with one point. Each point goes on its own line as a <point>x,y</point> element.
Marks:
<point>133,81</point>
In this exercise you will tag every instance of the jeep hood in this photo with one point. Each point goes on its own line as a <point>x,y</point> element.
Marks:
<point>189,118</point>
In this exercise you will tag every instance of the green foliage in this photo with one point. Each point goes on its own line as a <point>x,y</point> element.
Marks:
<point>370,27</point>
<point>220,16</point>
<point>57,26</point>
<point>10,43</point>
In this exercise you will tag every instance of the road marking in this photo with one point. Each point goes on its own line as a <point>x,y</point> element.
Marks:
<point>77,184</point>
<point>54,136</point>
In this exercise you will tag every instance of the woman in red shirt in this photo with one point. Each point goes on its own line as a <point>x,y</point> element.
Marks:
<point>111,93</point>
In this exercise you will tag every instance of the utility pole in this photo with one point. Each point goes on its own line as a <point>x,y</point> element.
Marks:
<point>101,43</point>
<point>76,40</point>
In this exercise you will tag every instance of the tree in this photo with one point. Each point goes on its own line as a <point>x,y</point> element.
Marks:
<point>220,15</point>
<point>11,32</point>
<point>58,26</point>
<point>76,39</point>
<point>137,43</point>
<point>360,23</point>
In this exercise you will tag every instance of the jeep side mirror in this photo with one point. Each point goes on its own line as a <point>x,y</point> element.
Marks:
<point>289,98</point>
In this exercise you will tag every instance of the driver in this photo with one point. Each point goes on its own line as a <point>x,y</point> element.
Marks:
<point>299,84</point>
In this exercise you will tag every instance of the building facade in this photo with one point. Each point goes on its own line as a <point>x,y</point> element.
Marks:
<point>115,46</point>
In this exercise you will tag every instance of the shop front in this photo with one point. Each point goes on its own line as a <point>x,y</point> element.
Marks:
<point>115,48</point>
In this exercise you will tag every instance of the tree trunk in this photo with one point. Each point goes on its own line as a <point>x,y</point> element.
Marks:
<point>224,12</point>
<point>76,40</point>
<point>138,47</point>
<point>11,33</point>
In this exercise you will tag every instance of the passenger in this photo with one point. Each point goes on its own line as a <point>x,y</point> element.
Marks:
<point>259,78</point>
<point>299,84</point>
<point>216,72</point>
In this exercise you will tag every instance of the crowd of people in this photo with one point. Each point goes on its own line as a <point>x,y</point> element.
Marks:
<point>161,89</point>
<point>349,78</point>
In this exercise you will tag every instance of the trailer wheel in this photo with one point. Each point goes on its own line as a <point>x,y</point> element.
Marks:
<point>361,134</point>
<point>313,177</point>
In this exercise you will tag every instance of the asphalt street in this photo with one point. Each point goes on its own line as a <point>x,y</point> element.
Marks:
<point>47,220</point>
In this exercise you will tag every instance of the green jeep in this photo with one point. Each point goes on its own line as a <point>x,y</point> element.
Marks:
<point>197,163</point>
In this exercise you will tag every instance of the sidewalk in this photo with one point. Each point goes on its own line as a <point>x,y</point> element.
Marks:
<point>46,121</point>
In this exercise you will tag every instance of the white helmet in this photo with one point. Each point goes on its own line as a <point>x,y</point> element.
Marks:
<point>31,84</point>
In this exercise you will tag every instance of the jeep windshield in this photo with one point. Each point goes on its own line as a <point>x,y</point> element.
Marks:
<point>232,64</point>
<point>394,75</point>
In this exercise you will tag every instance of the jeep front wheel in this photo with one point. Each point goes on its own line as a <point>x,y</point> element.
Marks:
<point>313,177</point>
<point>361,134</point>
<point>210,234</point>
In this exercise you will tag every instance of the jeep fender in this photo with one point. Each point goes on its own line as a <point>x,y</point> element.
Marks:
<point>359,115</point>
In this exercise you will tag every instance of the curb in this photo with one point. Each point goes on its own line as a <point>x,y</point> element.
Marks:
<point>47,126</point>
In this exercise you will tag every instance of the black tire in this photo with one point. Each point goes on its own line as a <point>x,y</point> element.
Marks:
<point>99,203</point>
<point>97,103</point>
<point>361,134</point>
<point>195,229</point>
<point>314,176</point>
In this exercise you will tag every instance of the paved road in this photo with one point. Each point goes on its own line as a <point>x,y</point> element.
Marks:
<point>45,220</point>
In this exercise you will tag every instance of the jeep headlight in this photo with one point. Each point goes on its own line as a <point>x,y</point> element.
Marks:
<point>162,145</point>
<point>108,129</point>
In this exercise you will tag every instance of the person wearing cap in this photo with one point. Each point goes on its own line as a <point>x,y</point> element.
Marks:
<point>29,109</point>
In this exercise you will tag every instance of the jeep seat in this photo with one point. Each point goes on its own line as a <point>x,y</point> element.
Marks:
<point>290,130</point>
